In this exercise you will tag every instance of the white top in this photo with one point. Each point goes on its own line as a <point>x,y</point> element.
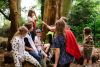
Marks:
<point>31,42</point>
<point>38,42</point>
<point>30,19</point>
<point>18,45</point>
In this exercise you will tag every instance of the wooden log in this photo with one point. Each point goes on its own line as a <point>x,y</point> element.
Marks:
<point>8,58</point>
<point>27,64</point>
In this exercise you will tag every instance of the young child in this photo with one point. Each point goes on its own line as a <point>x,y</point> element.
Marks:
<point>18,48</point>
<point>88,45</point>
<point>38,43</point>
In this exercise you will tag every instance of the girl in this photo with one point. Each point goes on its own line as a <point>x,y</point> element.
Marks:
<point>32,18</point>
<point>29,44</point>
<point>88,45</point>
<point>18,48</point>
<point>62,58</point>
<point>39,44</point>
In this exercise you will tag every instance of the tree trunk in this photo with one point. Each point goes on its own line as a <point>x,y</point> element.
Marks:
<point>14,20</point>
<point>65,7</point>
<point>19,9</point>
<point>58,9</point>
<point>42,8</point>
<point>49,14</point>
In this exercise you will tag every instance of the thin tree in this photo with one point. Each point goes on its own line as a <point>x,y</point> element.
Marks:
<point>14,20</point>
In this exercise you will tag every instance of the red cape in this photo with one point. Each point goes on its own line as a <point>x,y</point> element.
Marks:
<point>71,44</point>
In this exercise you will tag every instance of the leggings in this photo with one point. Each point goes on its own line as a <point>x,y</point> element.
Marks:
<point>27,57</point>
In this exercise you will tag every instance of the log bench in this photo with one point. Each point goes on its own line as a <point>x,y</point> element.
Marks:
<point>8,61</point>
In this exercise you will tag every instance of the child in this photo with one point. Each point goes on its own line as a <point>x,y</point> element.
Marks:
<point>32,18</point>
<point>18,48</point>
<point>38,42</point>
<point>88,45</point>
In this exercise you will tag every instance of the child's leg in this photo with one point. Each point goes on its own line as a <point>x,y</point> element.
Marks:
<point>47,46</point>
<point>35,55</point>
<point>85,62</point>
<point>31,59</point>
<point>44,53</point>
<point>16,60</point>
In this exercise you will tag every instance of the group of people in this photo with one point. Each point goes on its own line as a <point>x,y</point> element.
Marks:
<point>27,44</point>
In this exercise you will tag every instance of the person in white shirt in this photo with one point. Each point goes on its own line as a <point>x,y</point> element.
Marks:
<point>18,48</point>
<point>29,44</point>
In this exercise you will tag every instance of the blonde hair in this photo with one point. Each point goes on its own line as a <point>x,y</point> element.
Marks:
<point>60,27</point>
<point>21,30</point>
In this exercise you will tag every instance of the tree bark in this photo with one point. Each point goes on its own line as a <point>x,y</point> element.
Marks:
<point>49,14</point>
<point>65,7</point>
<point>14,20</point>
<point>19,9</point>
<point>58,9</point>
<point>42,8</point>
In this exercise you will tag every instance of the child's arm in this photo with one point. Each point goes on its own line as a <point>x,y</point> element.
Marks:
<point>49,27</point>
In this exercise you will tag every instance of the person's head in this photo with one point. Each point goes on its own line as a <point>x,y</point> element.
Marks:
<point>22,31</point>
<point>87,31</point>
<point>29,26</point>
<point>31,13</point>
<point>38,32</point>
<point>60,27</point>
<point>64,18</point>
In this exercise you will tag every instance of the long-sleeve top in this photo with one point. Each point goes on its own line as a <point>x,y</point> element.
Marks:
<point>18,45</point>
<point>31,43</point>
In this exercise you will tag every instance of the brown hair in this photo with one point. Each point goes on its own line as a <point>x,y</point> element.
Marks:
<point>21,30</point>
<point>60,27</point>
<point>87,31</point>
<point>30,13</point>
<point>28,25</point>
<point>64,18</point>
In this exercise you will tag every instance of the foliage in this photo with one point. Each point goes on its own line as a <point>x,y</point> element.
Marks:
<point>82,14</point>
<point>5,29</point>
<point>4,6</point>
<point>22,21</point>
<point>39,23</point>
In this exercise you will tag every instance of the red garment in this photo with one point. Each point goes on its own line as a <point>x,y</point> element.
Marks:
<point>34,24</point>
<point>71,45</point>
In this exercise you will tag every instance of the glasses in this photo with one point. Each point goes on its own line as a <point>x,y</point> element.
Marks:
<point>38,32</point>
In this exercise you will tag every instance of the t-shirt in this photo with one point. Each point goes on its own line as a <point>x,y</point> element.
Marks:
<point>33,20</point>
<point>38,43</point>
<point>59,42</point>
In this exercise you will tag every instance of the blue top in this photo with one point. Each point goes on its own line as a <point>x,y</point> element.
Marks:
<point>59,42</point>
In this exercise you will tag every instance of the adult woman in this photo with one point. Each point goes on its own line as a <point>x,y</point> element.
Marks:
<point>62,58</point>
<point>18,48</point>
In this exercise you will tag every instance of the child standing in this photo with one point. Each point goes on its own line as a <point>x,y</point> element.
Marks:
<point>88,45</point>
<point>32,18</point>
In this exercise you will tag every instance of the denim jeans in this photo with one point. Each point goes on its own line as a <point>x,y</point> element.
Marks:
<point>38,56</point>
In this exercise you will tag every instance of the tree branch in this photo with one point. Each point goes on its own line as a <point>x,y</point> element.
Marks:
<point>4,15</point>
